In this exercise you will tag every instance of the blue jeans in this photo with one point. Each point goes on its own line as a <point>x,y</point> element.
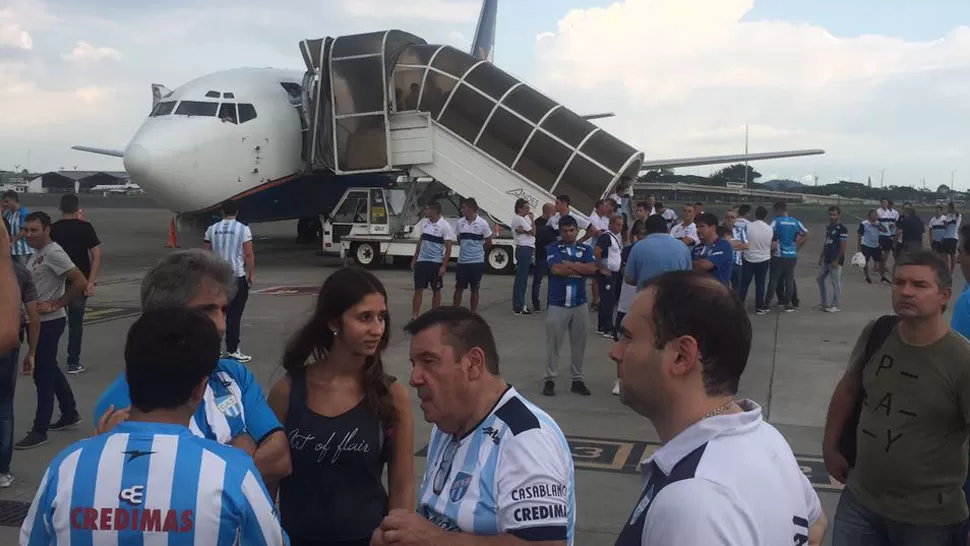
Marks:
<point>523,262</point>
<point>49,379</point>
<point>8,382</point>
<point>835,275</point>
<point>75,329</point>
<point>856,525</point>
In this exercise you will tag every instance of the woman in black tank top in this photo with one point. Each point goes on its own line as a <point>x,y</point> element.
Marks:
<point>344,419</point>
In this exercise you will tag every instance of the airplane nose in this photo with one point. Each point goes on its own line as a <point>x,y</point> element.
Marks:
<point>138,161</point>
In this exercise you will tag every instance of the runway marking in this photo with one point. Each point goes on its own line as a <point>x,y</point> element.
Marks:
<point>98,315</point>
<point>624,457</point>
<point>288,291</point>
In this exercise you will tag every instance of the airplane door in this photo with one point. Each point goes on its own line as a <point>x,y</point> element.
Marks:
<point>378,213</point>
<point>352,211</point>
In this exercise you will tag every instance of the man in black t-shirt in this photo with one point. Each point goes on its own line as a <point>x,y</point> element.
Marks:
<point>81,243</point>
<point>545,236</point>
<point>910,230</point>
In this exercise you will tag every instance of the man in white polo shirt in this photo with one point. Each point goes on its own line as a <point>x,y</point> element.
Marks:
<point>722,475</point>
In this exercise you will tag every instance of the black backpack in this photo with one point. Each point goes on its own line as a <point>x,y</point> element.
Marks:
<point>877,337</point>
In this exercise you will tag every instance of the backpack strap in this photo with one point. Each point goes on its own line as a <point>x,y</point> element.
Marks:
<point>877,337</point>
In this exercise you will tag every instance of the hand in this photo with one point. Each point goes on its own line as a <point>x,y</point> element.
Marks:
<point>89,290</point>
<point>836,465</point>
<point>443,270</point>
<point>27,368</point>
<point>412,263</point>
<point>377,539</point>
<point>407,528</point>
<point>111,419</point>
<point>835,266</point>
<point>45,307</point>
<point>244,442</point>
<point>249,280</point>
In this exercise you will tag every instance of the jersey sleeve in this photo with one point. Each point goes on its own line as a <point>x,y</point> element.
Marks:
<point>115,395</point>
<point>247,234</point>
<point>862,229</point>
<point>487,231</point>
<point>535,487</point>
<point>259,417</point>
<point>695,512</point>
<point>259,523</point>
<point>801,228</point>
<point>553,256</point>
<point>720,254</point>
<point>59,262</point>
<point>36,530</point>
<point>449,232</point>
<point>812,503</point>
<point>843,233</point>
<point>605,243</point>
<point>208,235</point>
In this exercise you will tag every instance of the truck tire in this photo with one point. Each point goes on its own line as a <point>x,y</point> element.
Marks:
<point>499,260</point>
<point>364,254</point>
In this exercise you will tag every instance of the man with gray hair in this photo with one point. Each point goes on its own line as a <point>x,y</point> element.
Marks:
<point>234,410</point>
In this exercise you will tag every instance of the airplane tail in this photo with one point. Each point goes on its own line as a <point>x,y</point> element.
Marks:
<point>483,45</point>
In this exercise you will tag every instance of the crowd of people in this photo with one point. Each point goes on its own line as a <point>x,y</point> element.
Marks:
<point>189,447</point>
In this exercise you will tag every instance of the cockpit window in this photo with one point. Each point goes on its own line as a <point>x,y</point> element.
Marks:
<point>212,94</point>
<point>246,112</point>
<point>228,96</point>
<point>197,108</point>
<point>227,112</point>
<point>163,108</point>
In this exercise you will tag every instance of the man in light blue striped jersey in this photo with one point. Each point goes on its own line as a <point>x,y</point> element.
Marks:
<point>151,478</point>
<point>232,241</point>
<point>497,465</point>
<point>16,215</point>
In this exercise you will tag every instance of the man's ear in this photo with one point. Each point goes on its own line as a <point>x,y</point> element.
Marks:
<point>198,393</point>
<point>477,366</point>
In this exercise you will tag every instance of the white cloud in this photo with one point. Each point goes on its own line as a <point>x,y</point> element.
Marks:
<point>24,104</point>
<point>684,76</point>
<point>84,52</point>
<point>435,10</point>
<point>12,35</point>
<point>456,36</point>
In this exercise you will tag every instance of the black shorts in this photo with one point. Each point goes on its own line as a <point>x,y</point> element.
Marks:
<point>937,246</point>
<point>874,254</point>
<point>428,275</point>
<point>886,243</point>
<point>469,275</point>
<point>949,246</point>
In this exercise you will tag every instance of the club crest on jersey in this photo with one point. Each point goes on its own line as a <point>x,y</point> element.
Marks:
<point>642,505</point>
<point>460,486</point>
<point>229,405</point>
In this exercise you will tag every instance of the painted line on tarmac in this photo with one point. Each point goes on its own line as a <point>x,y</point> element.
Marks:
<point>99,315</point>
<point>624,456</point>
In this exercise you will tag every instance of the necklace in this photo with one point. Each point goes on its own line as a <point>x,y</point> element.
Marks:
<point>720,410</point>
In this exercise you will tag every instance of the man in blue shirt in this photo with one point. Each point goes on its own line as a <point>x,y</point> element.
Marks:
<point>151,479</point>
<point>656,254</point>
<point>712,253</point>
<point>570,264</point>
<point>234,410</point>
<point>791,235</point>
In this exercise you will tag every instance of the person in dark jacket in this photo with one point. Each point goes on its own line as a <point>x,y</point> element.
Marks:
<point>545,236</point>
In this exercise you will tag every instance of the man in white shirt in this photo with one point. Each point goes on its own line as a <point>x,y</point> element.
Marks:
<point>523,226</point>
<point>599,224</point>
<point>431,255</point>
<point>607,253</point>
<point>668,215</point>
<point>755,260</point>
<point>474,238</point>
<point>722,474</point>
<point>232,241</point>
<point>686,231</point>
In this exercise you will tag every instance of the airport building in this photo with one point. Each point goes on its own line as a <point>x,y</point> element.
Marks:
<point>74,181</point>
<point>676,193</point>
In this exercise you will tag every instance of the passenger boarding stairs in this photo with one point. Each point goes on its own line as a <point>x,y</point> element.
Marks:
<point>388,101</point>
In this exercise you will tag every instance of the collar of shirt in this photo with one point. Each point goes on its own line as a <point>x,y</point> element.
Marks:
<point>656,236</point>
<point>132,427</point>
<point>703,431</point>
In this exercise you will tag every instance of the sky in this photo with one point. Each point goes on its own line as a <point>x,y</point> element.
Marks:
<point>881,85</point>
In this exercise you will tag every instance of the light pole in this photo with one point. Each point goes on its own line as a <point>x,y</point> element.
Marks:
<point>746,154</point>
<point>882,173</point>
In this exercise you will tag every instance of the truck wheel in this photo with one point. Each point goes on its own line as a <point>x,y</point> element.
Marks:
<point>499,260</point>
<point>364,254</point>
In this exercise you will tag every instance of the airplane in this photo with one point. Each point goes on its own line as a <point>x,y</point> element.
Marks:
<point>239,134</point>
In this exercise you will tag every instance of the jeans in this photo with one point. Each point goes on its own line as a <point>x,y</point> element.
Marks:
<point>75,329</point>
<point>49,378</point>
<point>835,275</point>
<point>759,272</point>
<point>234,313</point>
<point>8,383</point>
<point>619,323</point>
<point>607,284</point>
<point>782,274</point>
<point>736,277</point>
<point>538,272</point>
<point>856,525</point>
<point>523,262</point>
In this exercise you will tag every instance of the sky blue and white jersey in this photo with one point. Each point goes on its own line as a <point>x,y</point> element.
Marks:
<point>937,225</point>
<point>227,238</point>
<point>433,237</point>
<point>471,240</point>
<point>16,219</point>
<point>870,233</point>
<point>953,222</point>
<point>512,474</point>
<point>567,291</point>
<point>233,404</point>
<point>888,218</point>
<point>787,230</point>
<point>151,483</point>
<point>740,233</point>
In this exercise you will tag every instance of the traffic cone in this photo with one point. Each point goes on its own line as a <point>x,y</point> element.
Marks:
<point>172,240</point>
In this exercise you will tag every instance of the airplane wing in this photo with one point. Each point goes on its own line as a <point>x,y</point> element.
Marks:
<point>650,165</point>
<point>100,151</point>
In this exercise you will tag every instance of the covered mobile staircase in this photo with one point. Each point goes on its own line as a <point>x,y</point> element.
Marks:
<point>389,102</point>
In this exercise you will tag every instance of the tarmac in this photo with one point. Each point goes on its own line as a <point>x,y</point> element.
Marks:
<point>796,360</point>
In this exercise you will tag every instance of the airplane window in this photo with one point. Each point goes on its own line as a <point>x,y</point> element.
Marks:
<point>163,108</point>
<point>246,112</point>
<point>212,94</point>
<point>228,95</point>
<point>227,112</point>
<point>197,108</point>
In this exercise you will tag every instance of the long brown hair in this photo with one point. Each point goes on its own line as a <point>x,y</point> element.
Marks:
<point>342,290</point>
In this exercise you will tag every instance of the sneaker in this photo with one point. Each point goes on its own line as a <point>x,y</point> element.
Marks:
<point>580,388</point>
<point>761,311</point>
<point>868,280</point>
<point>526,311</point>
<point>789,308</point>
<point>238,356</point>
<point>75,369</point>
<point>549,389</point>
<point>821,307</point>
<point>31,440</point>
<point>885,280</point>
<point>536,307</point>
<point>66,422</point>
<point>607,335</point>
<point>6,480</point>
<point>832,309</point>
<point>616,388</point>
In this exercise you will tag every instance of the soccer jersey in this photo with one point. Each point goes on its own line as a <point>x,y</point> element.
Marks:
<point>16,218</point>
<point>233,404</point>
<point>680,231</point>
<point>953,223</point>
<point>433,237</point>
<point>227,238</point>
<point>151,483</point>
<point>471,240</point>
<point>788,230</point>
<point>888,219</point>
<point>937,228</point>
<point>870,233</point>
<point>512,474</point>
<point>567,291</point>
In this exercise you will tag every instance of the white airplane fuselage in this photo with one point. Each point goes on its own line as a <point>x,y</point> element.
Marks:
<point>191,154</point>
